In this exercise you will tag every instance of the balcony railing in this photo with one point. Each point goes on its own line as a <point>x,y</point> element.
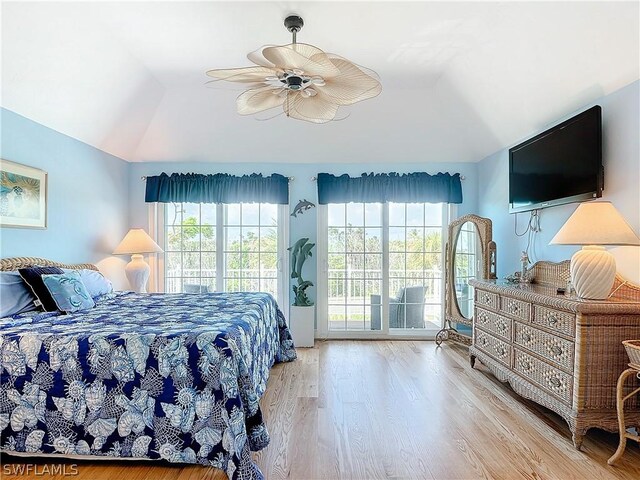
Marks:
<point>175,278</point>
<point>349,285</point>
<point>349,290</point>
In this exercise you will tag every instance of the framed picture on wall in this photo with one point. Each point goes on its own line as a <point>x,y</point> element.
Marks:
<point>23,196</point>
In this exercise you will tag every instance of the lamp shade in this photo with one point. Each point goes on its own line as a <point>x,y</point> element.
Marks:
<point>136,242</point>
<point>596,223</point>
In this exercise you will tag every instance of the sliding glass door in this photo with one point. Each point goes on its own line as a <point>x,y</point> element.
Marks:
<point>354,260</point>
<point>416,266</point>
<point>381,268</point>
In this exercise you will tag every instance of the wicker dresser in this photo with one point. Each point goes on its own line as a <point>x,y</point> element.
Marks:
<point>559,351</point>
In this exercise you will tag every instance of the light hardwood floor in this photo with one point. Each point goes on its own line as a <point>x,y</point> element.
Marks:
<point>400,410</point>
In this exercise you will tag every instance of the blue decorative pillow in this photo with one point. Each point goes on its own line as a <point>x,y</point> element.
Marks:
<point>96,283</point>
<point>68,292</point>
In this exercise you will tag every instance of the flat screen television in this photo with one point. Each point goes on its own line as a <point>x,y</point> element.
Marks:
<point>561,165</point>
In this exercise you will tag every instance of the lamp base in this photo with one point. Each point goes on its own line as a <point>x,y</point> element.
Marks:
<point>137,271</point>
<point>593,271</point>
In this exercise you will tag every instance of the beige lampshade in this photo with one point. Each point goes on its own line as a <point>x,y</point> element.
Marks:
<point>137,241</point>
<point>596,223</point>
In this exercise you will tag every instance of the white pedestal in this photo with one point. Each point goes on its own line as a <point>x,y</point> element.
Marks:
<point>301,325</point>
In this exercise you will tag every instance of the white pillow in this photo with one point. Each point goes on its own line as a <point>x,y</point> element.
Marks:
<point>15,296</point>
<point>95,282</point>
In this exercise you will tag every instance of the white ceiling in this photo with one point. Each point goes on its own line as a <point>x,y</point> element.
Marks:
<point>460,80</point>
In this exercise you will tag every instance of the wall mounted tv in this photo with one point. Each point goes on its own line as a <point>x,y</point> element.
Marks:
<point>561,165</point>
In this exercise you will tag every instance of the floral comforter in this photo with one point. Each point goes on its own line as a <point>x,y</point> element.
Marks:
<point>171,376</point>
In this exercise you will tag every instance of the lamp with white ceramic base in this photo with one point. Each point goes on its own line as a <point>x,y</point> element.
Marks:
<point>136,243</point>
<point>593,225</point>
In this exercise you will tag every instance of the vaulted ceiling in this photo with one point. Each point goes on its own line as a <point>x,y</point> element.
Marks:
<point>460,80</point>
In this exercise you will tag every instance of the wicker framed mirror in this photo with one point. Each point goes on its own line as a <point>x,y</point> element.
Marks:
<point>470,253</point>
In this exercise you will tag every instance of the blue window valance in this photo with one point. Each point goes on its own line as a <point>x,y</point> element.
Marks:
<point>217,188</point>
<point>418,187</point>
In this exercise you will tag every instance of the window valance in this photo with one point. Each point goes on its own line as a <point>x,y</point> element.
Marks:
<point>217,188</point>
<point>418,187</point>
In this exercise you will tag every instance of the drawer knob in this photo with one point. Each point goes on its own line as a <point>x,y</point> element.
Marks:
<point>501,350</point>
<point>555,382</point>
<point>526,337</point>
<point>526,366</point>
<point>487,299</point>
<point>556,350</point>
<point>513,308</point>
<point>502,326</point>
<point>553,320</point>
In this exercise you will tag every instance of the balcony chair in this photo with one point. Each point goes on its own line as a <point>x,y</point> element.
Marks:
<point>409,300</point>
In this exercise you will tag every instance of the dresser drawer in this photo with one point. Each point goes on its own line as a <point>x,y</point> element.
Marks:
<point>552,379</point>
<point>494,323</point>
<point>487,299</point>
<point>496,348</point>
<point>563,322</point>
<point>516,308</point>
<point>555,349</point>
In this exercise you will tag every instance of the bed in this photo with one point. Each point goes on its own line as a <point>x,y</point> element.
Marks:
<point>176,377</point>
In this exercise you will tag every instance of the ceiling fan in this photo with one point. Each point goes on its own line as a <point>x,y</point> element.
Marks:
<point>307,83</point>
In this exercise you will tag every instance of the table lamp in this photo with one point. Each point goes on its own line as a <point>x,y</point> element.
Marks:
<point>594,224</point>
<point>135,243</point>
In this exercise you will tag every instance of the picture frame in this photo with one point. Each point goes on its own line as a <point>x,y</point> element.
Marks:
<point>23,196</point>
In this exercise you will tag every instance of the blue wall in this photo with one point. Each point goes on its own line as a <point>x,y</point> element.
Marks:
<point>621,158</point>
<point>88,197</point>
<point>95,197</point>
<point>301,187</point>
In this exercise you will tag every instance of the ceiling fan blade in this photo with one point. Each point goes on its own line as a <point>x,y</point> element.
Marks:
<point>285,57</point>
<point>316,109</point>
<point>243,74</point>
<point>258,100</point>
<point>304,49</point>
<point>258,58</point>
<point>351,86</point>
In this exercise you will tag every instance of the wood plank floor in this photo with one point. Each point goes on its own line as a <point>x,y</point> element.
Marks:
<point>399,410</point>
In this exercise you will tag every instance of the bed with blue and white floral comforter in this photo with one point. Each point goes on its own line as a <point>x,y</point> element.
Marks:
<point>158,376</point>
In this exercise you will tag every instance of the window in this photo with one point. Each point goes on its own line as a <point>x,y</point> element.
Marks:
<point>250,248</point>
<point>383,261</point>
<point>190,248</point>
<point>215,247</point>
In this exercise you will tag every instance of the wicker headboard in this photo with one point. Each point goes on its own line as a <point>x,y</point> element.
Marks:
<point>14,263</point>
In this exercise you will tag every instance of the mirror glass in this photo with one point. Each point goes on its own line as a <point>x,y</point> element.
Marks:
<point>466,257</point>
